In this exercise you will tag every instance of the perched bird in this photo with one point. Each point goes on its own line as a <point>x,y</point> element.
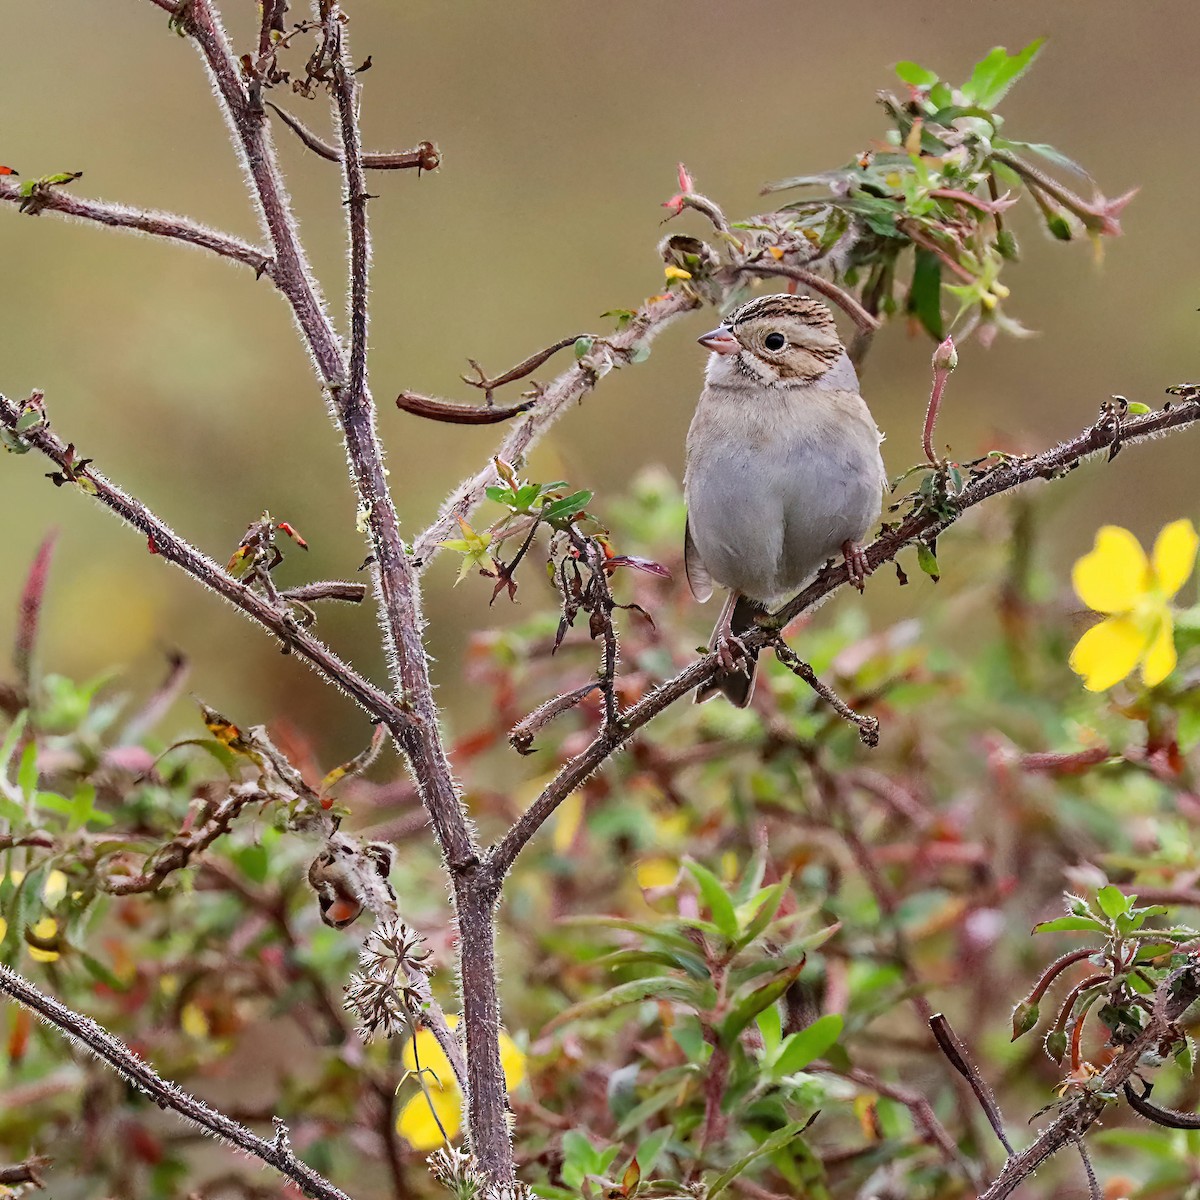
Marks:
<point>783,469</point>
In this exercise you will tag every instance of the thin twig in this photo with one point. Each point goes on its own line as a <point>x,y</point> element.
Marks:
<point>149,221</point>
<point>958,1057</point>
<point>868,727</point>
<point>522,370</point>
<point>423,157</point>
<point>842,298</point>
<point>85,1032</point>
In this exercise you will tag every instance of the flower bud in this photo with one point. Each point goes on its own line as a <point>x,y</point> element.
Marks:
<point>945,357</point>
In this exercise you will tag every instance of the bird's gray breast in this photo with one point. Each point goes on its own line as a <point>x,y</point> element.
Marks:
<point>776,485</point>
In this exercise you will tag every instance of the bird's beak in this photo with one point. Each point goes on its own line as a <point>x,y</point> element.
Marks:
<point>720,341</point>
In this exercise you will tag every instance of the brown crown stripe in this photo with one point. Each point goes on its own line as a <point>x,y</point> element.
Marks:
<point>803,308</point>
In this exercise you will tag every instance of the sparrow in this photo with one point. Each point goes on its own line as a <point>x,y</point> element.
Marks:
<point>783,470</point>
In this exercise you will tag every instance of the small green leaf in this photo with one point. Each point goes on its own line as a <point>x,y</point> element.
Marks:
<point>995,74</point>
<point>1137,409</point>
<point>566,508</point>
<point>927,561</point>
<point>925,293</point>
<point>916,75</point>
<point>1113,902</point>
<point>583,346</point>
<point>749,1006</point>
<point>800,1049</point>
<point>716,898</point>
<point>27,772</point>
<point>779,1140</point>
<point>1063,924</point>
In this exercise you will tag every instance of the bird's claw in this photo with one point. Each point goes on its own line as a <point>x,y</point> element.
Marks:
<point>732,653</point>
<point>857,566</point>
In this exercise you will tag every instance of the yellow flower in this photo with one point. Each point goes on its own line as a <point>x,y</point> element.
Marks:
<point>418,1122</point>
<point>46,929</point>
<point>1134,594</point>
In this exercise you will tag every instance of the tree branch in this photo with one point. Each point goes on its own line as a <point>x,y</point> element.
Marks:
<point>156,224</point>
<point>921,525</point>
<point>423,157</point>
<point>166,543</point>
<point>111,1050</point>
<point>487,1122</point>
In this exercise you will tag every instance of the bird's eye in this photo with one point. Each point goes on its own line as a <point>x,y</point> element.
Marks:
<point>774,341</point>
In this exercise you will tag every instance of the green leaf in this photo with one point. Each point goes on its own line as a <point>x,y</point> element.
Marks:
<point>11,738</point>
<point>651,1147</point>
<point>925,293</point>
<point>800,1049</point>
<point>995,74</point>
<point>748,1007</point>
<point>779,1140</point>
<point>633,992</point>
<point>1113,902</point>
<point>754,916</point>
<point>253,862</point>
<point>1136,408</point>
<point>916,75</point>
<point>927,561</point>
<point>567,507</point>
<point>770,1027</point>
<point>583,347</point>
<point>716,898</point>
<point>1062,924</point>
<point>27,772</point>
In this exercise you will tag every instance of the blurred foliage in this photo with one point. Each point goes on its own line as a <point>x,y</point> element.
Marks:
<point>722,954</point>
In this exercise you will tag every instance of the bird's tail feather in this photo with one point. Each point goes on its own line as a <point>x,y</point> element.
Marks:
<point>737,685</point>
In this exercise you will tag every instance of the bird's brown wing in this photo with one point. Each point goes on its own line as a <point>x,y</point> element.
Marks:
<point>699,580</point>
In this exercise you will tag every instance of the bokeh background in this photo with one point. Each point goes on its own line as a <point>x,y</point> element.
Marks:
<point>560,125</point>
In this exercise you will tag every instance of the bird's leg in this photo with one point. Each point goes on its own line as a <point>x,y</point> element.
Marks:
<point>857,566</point>
<point>726,644</point>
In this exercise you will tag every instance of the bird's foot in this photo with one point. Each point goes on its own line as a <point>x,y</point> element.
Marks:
<point>732,653</point>
<point>857,566</point>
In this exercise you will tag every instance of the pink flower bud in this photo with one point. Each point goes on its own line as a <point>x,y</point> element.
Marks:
<point>945,357</point>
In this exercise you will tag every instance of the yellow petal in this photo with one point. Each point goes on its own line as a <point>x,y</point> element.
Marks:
<point>1175,556</point>
<point>676,273</point>
<point>657,873</point>
<point>55,888</point>
<point>1114,575</point>
<point>1160,658</point>
<point>418,1125</point>
<point>512,1059</point>
<point>1108,652</point>
<point>193,1022</point>
<point>45,929</point>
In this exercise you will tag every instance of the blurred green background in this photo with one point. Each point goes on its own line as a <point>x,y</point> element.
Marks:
<point>560,125</point>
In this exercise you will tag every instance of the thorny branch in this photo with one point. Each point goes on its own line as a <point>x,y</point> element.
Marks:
<point>156,224</point>
<point>423,157</point>
<point>1004,475</point>
<point>96,1040</point>
<point>165,542</point>
<point>1175,995</point>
